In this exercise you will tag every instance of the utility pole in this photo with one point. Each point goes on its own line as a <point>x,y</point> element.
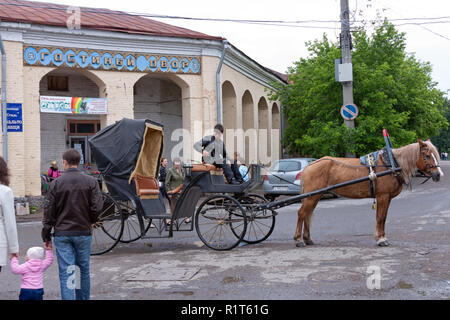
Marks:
<point>347,86</point>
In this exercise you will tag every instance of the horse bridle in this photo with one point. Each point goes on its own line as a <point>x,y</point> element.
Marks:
<point>426,159</point>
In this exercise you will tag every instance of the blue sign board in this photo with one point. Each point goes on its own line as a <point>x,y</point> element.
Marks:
<point>110,60</point>
<point>349,111</point>
<point>14,117</point>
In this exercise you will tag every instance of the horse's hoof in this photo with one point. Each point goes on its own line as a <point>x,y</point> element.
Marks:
<point>300,244</point>
<point>382,243</point>
<point>309,242</point>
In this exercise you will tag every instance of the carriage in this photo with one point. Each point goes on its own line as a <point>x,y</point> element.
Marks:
<point>128,155</point>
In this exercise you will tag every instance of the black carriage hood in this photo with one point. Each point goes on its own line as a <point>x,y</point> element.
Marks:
<point>116,147</point>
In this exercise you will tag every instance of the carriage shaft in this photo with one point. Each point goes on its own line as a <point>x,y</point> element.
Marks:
<point>295,199</point>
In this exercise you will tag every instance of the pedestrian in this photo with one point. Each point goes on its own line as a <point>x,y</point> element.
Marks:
<point>162,178</point>
<point>72,205</point>
<point>53,172</point>
<point>174,183</point>
<point>213,152</point>
<point>32,271</point>
<point>8,229</point>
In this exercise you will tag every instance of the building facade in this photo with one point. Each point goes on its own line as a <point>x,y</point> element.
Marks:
<point>66,82</point>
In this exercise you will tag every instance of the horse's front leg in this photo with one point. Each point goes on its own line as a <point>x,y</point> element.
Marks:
<point>383,202</point>
<point>298,230</point>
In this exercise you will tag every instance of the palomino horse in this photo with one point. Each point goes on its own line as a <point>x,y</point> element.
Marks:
<point>329,171</point>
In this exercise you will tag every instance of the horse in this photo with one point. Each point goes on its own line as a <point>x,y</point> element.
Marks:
<point>328,171</point>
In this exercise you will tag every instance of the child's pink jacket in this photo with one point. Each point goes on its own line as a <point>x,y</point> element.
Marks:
<point>32,271</point>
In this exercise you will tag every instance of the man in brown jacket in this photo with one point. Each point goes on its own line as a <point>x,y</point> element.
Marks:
<point>72,205</point>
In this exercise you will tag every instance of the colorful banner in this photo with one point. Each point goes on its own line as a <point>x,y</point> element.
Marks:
<point>73,105</point>
<point>110,60</point>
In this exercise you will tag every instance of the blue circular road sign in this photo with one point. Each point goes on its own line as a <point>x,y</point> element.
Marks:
<point>349,111</point>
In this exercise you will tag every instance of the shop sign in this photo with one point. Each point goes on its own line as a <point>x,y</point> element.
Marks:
<point>109,60</point>
<point>14,117</point>
<point>73,105</point>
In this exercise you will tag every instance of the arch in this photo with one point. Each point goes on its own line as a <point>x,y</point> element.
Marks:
<point>276,125</point>
<point>248,124</point>
<point>59,131</point>
<point>167,77</point>
<point>248,113</point>
<point>160,98</point>
<point>276,118</point>
<point>96,85</point>
<point>263,131</point>
<point>228,105</point>
<point>229,109</point>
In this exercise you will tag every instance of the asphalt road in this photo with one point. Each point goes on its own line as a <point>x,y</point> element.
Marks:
<point>340,265</point>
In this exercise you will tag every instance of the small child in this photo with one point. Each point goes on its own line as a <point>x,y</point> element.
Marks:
<point>32,272</point>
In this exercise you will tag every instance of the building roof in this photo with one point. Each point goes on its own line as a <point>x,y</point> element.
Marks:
<point>280,75</point>
<point>91,18</point>
<point>50,14</point>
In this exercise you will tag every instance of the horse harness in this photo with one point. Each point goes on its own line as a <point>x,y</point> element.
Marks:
<point>371,162</point>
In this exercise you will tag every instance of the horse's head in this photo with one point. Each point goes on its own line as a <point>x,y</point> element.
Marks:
<point>428,161</point>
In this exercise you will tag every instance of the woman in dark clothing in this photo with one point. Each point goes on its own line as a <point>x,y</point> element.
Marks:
<point>162,178</point>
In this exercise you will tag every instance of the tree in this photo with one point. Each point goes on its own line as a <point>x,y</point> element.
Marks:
<point>442,141</point>
<point>392,89</point>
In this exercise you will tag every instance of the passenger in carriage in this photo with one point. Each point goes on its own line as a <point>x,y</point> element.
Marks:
<point>213,152</point>
<point>173,184</point>
<point>235,167</point>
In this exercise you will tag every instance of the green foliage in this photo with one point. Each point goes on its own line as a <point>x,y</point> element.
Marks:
<point>392,89</point>
<point>442,141</point>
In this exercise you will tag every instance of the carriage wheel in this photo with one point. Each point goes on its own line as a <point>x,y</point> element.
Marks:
<point>260,222</point>
<point>213,221</point>
<point>106,232</point>
<point>131,229</point>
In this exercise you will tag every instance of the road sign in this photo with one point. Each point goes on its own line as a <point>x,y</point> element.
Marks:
<point>349,111</point>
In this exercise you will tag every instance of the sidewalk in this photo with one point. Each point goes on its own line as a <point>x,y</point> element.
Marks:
<point>37,216</point>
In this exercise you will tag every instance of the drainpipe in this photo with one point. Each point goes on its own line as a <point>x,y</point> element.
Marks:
<point>282,131</point>
<point>219,104</point>
<point>4,124</point>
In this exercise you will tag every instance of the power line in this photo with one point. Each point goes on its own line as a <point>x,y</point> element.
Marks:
<point>420,24</point>
<point>276,23</point>
<point>251,21</point>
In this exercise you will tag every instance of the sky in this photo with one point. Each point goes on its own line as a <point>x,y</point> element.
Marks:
<point>277,47</point>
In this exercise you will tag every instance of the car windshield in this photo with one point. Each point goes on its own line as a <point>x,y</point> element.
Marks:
<point>286,166</point>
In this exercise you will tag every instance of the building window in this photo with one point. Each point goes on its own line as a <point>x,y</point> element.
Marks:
<point>58,83</point>
<point>83,127</point>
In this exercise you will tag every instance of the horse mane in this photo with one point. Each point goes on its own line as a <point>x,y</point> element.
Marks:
<point>408,156</point>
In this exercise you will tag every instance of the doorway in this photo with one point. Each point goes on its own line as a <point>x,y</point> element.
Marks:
<point>81,145</point>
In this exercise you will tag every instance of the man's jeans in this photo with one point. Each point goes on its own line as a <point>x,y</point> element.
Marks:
<point>73,253</point>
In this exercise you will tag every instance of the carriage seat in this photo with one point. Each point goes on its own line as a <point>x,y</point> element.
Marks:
<point>204,167</point>
<point>146,186</point>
